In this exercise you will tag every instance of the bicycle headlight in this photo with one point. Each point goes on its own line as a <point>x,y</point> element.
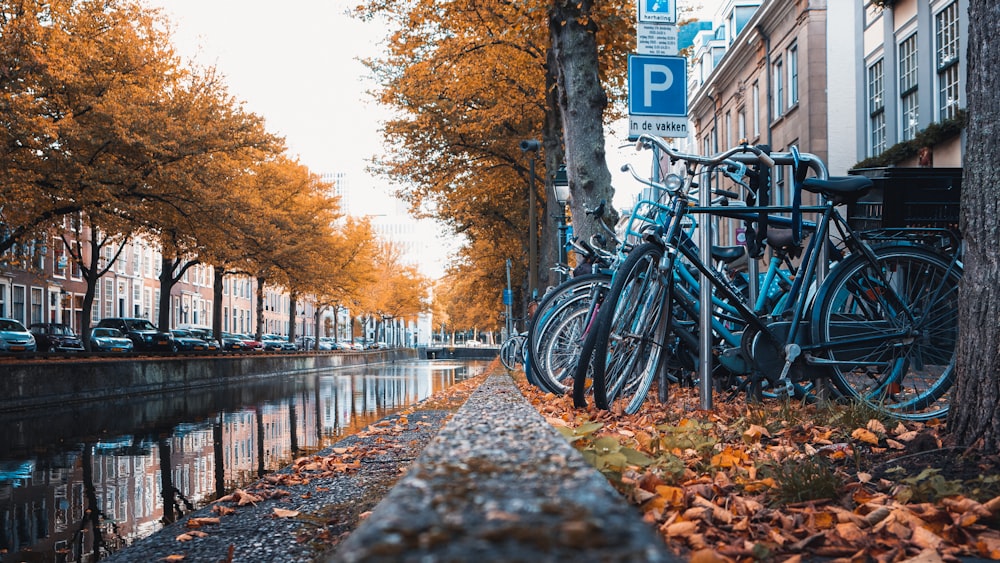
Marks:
<point>673,182</point>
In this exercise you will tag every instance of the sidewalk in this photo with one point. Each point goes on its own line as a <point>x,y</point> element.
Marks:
<point>499,484</point>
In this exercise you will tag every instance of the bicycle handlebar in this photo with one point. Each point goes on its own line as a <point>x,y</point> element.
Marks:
<point>646,140</point>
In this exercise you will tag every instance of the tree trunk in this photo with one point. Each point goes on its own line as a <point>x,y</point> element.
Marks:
<point>259,331</point>
<point>219,278</point>
<point>975,402</point>
<point>582,102</point>
<point>552,140</point>
<point>293,315</point>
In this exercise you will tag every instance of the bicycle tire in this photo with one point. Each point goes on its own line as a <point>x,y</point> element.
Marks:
<point>510,352</point>
<point>626,353</point>
<point>549,310</point>
<point>562,351</point>
<point>919,365</point>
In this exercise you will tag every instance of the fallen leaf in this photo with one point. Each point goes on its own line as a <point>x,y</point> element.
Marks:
<point>865,435</point>
<point>283,513</point>
<point>875,426</point>
<point>173,558</point>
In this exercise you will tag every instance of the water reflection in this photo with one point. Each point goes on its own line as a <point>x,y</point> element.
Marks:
<point>82,481</point>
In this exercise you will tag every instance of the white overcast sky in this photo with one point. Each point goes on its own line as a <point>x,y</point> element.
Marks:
<point>295,63</point>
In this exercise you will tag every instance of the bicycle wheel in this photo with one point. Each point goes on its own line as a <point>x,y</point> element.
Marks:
<point>554,306</point>
<point>628,343</point>
<point>562,351</point>
<point>892,327</point>
<point>511,352</point>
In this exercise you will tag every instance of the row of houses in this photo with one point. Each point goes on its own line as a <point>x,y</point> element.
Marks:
<point>845,80</point>
<point>40,282</point>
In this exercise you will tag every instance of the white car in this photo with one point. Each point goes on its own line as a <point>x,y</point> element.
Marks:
<point>14,338</point>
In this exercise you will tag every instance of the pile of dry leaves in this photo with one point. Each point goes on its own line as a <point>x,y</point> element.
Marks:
<point>786,481</point>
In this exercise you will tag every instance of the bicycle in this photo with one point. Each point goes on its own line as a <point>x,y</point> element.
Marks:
<point>881,327</point>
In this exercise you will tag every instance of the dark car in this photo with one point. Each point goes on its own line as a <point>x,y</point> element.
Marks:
<point>56,337</point>
<point>233,343</point>
<point>110,340</point>
<point>187,341</point>
<point>277,343</point>
<point>143,334</point>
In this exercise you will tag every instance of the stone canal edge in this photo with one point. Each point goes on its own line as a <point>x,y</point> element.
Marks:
<point>492,481</point>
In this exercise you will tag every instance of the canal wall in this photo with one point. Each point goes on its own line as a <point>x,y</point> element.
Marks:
<point>38,383</point>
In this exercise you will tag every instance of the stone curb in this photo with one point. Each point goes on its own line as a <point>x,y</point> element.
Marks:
<point>498,483</point>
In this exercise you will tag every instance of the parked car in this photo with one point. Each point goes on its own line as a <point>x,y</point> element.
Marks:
<point>277,343</point>
<point>144,335</point>
<point>55,337</point>
<point>109,340</point>
<point>15,338</point>
<point>233,343</point>
<point>186,341</point>
<point>251,343</point>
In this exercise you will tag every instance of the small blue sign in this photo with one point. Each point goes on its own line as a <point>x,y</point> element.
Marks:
<point>508,297</point>
<point>657,85</point>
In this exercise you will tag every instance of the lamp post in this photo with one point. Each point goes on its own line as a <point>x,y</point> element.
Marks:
<point>560,185</point>
<point>532,146</point>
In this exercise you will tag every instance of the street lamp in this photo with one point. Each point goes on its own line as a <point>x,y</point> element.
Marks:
<point>560,185</point>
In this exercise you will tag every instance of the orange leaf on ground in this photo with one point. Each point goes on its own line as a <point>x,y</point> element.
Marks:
<point>865,435</point>
<point>283,513</point>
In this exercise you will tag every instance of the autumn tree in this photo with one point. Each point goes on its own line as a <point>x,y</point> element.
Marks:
<point>399,291</point>
<point>79,80</point>
<point>350,268</point>
<point>583,102</point>
<point>469,81</point>
<point>975,416</point>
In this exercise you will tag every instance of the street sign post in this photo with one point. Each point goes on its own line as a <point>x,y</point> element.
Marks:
<point>657,96</point>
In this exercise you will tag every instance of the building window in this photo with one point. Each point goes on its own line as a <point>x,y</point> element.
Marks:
<point>793,75</point>
<point>17,303</point>
<point>756,110</point>
<point>946,24</point>
<point>37,304</point>
<point>726,135</point>
<point>3,300</point>
<point>109,297</point>
<point>779,88</point>
<point>876,109</point>
<point>741,125</point>
<point>59,259</point>
<point>908,104</point>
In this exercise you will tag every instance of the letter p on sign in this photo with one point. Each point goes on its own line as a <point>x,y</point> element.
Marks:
<point>657,78</point>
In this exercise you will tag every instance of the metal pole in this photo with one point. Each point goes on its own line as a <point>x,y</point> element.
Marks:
<point>507,304</point>
<point>533,230</point>
<point>563,230</point>
<point>705,311</point>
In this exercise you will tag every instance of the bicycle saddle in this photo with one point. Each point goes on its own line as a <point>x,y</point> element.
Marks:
<point>839,189</point>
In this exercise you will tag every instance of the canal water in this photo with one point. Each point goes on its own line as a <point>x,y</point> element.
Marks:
<point>60,468</point>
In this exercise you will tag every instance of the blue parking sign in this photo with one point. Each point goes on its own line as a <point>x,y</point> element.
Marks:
<point>657,85</point>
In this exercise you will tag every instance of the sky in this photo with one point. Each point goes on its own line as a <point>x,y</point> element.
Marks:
<point>294,63</point>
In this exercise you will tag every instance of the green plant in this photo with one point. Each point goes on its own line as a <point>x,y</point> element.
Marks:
<point>799,480</point>
<point>932,135</point>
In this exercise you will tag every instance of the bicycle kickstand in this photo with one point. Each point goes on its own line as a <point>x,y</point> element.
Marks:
<point>785,385</point>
